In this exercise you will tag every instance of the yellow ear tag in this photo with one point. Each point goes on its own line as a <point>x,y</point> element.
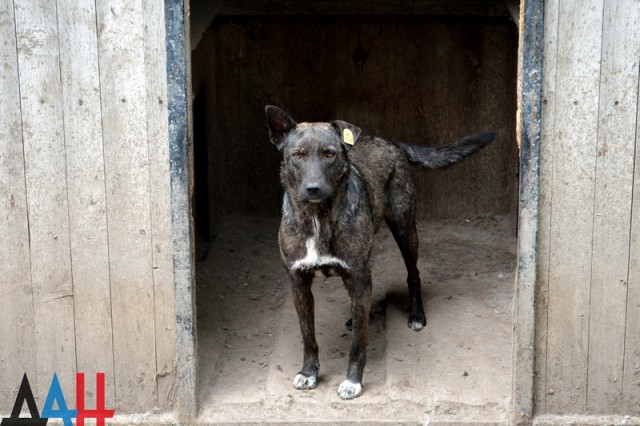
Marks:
<point>347,137</point>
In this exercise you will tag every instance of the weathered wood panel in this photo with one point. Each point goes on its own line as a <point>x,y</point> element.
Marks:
<point>612,206</point>
<point>17,328</point>
<point>368,97</point>
<point>47,197</point>
<point>587,303</point>
<point>86,253</point>
<point>544,202</point>
<point>322,93</point>
<point>124,115</point>
<point>178,93</point>
<point>202,75</point>
<point>159,182</point>
<point>631,378</point>
<point>572,192</point>
<point>241,146</point>
<point>530,15</point>
<point>422,80</point>
<point>421,114</point>
<point>86,191</point>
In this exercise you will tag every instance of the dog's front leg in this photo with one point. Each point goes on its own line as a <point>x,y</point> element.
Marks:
<point>359,289</point>
<point>307,378</point>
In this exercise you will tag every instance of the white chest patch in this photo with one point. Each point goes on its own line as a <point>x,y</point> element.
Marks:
<point>314,260</point>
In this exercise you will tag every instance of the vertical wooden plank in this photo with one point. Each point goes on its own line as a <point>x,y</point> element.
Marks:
<point>203,59</point>
<point>124,102</point>
<point>262,48</point>
<point>336,64</point>
<point>548,122</point>
<point>575,137</point>
<point>442,105</point>
<point>528,124</point>
<point>613,198</point>
<point>231,51</point>
<point>17,328</point>
<point>270,49</point>
<point>307,97</point>
<point>86,182</point>
<point>178,90</point>
<point>160,192</point>
<point>250,57</point>
<point>40,92</point>
<point>412,102</point>
<point>631,378</point>
<point>371,68</point>
<point>496,171</point>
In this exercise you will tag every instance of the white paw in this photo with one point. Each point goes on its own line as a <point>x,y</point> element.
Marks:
<point>349,390</point>
<point>416,326</point>
<point>303,382</point>
<point>417,322</point>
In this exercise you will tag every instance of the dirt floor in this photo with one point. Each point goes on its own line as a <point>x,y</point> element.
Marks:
<point>456,370</point>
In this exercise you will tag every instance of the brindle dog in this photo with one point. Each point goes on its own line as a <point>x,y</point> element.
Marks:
<point>338,186</point>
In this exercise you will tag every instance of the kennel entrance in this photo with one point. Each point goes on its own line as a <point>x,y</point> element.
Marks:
<point>420,78</point>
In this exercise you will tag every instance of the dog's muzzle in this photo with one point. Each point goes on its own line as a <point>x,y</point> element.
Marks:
<point>314,192</point>
<point>314,195</point>
<point>313,186</point>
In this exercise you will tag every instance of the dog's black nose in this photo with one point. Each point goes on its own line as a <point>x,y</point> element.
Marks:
<point>313,188</point>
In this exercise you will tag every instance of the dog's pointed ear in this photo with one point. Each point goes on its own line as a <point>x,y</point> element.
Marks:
<point>348,133</point>
<point>280,123</point>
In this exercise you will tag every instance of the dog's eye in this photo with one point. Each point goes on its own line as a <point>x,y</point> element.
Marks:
<point>329,154</point>
<point>296,155</point>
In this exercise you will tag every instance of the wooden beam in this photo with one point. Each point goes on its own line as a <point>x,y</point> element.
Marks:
<point>155,60</point>
<point>613,208</point>
<point>17,328</point>
<point>86,182</point>
<point>179,101</point>
<point>528,131</point>
<point>358,7</point>
<point>548,116</point>
<point>47,194</point>
<point>574,141</point>
<point>124,116</point>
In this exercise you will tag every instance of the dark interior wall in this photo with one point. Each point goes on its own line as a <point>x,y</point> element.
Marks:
<point>418,79</point>
<point>205,191</point>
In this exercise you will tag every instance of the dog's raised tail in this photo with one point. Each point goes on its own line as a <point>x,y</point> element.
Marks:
<point>445,155</point>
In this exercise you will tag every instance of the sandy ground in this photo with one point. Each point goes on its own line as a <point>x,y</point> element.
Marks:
<point>456,370</point>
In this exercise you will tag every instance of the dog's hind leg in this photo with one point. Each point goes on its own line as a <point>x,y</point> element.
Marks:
<point>307,378</point>
<point>407,239</point>
<point>402,223</point>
